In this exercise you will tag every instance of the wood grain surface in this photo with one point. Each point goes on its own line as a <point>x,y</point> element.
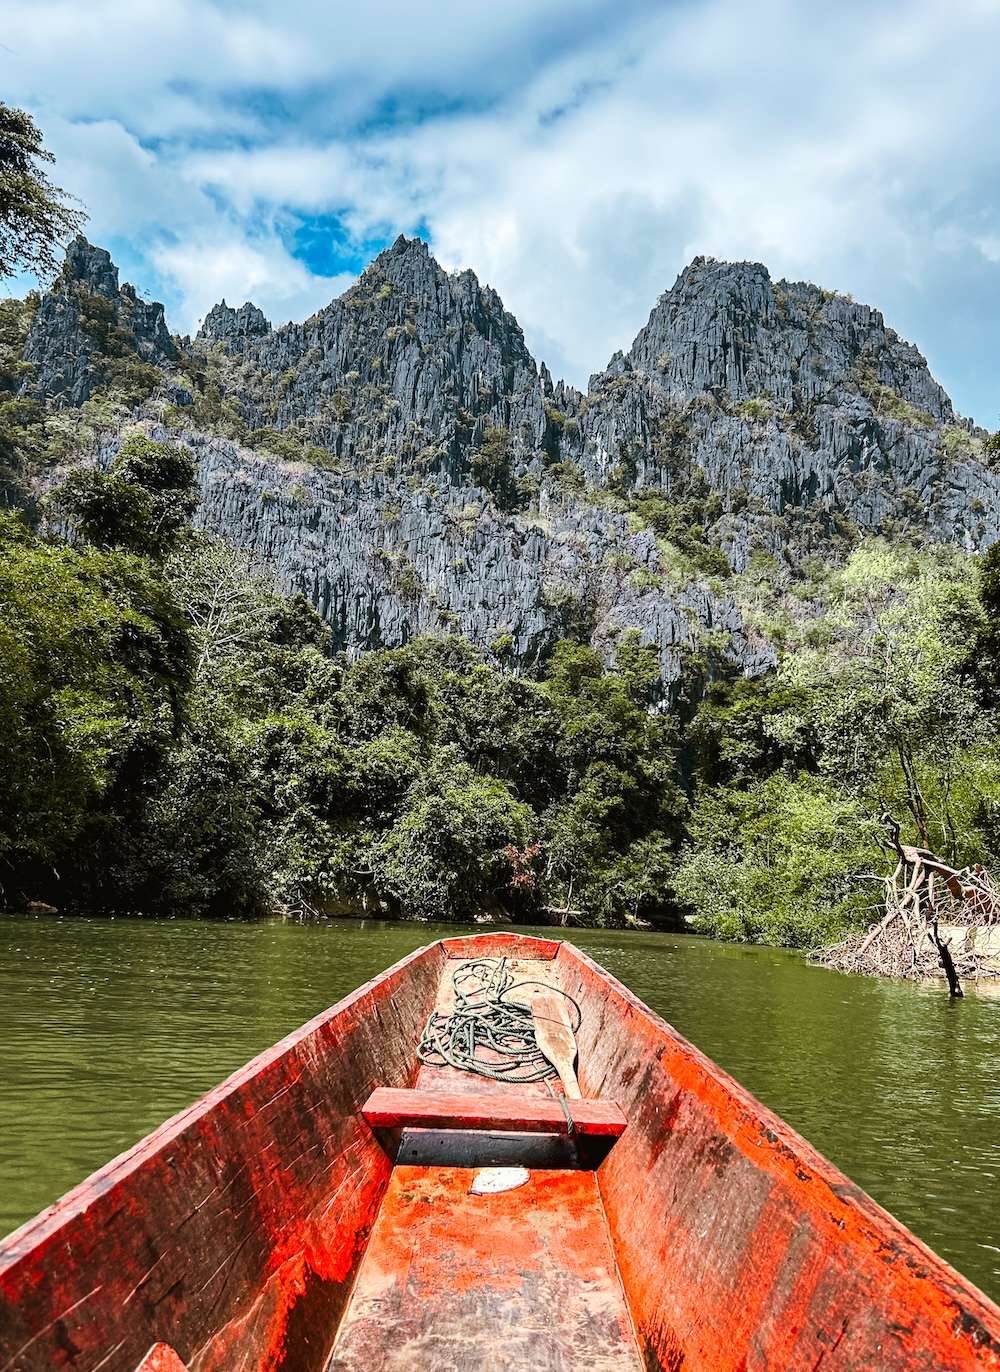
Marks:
<point>388,1108</point>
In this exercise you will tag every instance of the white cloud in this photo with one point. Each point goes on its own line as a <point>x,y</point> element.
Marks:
<point>575,155</point>
<point>236,271</point>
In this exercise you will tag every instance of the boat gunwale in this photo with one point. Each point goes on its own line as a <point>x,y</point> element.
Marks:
<point>770,1144</point>
<point>946,1306</point>
<point>21,1241</point>
<point>785,1142</point>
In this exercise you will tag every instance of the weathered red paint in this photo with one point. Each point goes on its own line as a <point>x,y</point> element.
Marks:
<point>524,1279</point>
<point>502,946</point>
<point>235,1233</point>
<point>391,1108</point>
<point>161,1358</point>
<point>740,1246</point>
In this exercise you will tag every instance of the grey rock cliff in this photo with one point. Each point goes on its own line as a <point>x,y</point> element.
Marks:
<point>421,386</point>
<point>411,366</point>
<point>795,404</point>
<point>223,324</point>
<point>85,324</point>
<point>406,464</point>
<point>384,562</point>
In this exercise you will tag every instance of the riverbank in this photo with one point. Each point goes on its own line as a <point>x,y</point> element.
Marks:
<point>233,761</point>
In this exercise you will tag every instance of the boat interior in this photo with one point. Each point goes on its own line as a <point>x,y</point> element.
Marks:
<point>453,1277</point>
<point>352,1199</point>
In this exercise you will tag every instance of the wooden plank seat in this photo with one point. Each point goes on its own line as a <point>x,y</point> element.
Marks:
<point>392,1108</point>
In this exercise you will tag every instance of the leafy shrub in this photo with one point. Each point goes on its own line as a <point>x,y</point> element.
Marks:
<point>491,466</point>
<point>141,505</point>
<point>780,863</point>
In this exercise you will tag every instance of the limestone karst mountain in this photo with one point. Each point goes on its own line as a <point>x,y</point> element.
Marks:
<point>403,460</point>
<point>800,407</point>
<point>88,332</point>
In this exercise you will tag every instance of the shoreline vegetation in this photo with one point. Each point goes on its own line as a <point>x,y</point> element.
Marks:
<point>176,737</point>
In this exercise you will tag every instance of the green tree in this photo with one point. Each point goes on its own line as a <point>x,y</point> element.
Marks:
<point>982,661</point>
<point>744,731</point>
<point>252,814</point>
<point>893,710</point>
<point>22,432</point>
<point>616,761</point>
<point>94,657</point>
<point>444,856</point>
<point>141,505</point>
<point>34,215</point>
<point>780,862</point>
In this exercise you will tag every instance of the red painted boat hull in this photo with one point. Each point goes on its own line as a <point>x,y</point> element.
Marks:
<point>234,1236</point>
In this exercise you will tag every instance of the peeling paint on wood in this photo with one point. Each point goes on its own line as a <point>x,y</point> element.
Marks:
<point>519,1279</point>
<point>739,1245</point>
<point>391,1109</point>
<point>161,1358</point>
<point>502,946</point>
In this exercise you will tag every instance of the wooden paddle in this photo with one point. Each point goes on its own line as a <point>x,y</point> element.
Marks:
<point>554,1036</point>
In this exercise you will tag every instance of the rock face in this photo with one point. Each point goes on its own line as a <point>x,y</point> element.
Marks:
<point>223,324</point>
<point>85,324</point>
<point>383,562</point>
<point>409,366</point>
<point>405,463</point>
<point>798,406</point>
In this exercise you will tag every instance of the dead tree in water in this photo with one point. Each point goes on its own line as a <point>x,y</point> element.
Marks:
<point>922,893</point>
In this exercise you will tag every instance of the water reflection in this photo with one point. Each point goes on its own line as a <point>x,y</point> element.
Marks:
<point>110,1026</point>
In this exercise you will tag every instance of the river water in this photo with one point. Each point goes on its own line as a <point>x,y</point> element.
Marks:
<point>107,1027</point>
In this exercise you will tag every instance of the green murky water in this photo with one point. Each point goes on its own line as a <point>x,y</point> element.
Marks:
<point>107,1027</point>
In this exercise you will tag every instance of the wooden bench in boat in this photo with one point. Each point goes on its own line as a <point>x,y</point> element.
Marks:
<point>470,1128</point>
<point>389,1108</point>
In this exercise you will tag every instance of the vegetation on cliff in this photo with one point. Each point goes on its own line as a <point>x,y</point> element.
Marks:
<point>177,737</point>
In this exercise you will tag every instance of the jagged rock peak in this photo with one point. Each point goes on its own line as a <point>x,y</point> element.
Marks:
<point>92,266</point>
<point>224,324</point>
<point>727,326</point>
<point>411,362</point>
<point>409,263</point>
<point>798,408</point>
<point>85,324</point>
<point>406,259</point>
<point>407,247</point>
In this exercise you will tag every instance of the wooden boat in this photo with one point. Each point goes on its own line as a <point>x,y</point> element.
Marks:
<point>318,1211</point>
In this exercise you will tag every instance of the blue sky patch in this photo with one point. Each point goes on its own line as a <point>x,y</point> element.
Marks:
<point>326,247</point>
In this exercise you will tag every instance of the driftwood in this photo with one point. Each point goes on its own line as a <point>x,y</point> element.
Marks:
<point>933,917</point>
<point>565,913</point>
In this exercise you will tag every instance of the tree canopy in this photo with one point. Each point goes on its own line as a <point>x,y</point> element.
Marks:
<point>34,214</point>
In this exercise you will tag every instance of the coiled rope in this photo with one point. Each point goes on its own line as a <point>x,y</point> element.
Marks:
<point>487,1032</point>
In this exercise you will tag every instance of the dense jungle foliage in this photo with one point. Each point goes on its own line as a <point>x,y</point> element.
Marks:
<point>178,738</point>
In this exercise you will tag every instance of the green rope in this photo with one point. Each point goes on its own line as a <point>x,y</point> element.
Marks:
<point>487,1032</point>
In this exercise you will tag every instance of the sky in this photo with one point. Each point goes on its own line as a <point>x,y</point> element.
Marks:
<point>575,155</point>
